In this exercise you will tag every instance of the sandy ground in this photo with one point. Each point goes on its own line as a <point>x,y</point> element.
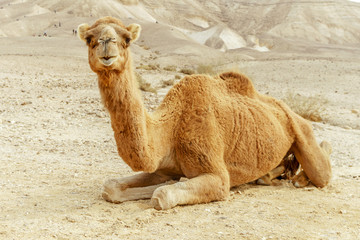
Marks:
<point>57,149</point>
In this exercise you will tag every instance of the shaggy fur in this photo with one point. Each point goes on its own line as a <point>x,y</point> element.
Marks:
<point>218,132</point>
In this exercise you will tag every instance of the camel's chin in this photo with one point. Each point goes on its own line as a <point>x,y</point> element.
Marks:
<point>108,62</point>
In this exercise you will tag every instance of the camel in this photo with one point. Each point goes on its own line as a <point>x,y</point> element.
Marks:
<point>216,132</point>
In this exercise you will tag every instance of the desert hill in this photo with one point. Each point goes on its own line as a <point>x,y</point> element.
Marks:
<point>223,25</point>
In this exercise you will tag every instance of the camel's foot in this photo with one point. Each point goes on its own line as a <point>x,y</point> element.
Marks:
<point>163,198</point>
<point>117,191</point>
<point>114,191</point>
<point>264,180</point>
<point>300,180</point>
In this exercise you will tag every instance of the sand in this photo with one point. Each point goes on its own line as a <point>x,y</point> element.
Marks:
<point>57,146</point>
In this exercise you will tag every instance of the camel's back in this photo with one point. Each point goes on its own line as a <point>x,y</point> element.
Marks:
<point>226,94</point>
<point>202,87</point>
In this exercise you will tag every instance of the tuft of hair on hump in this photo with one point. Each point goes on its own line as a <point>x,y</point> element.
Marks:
<point>239,83</point>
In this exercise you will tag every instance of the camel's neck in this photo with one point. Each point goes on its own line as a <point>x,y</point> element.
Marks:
<point>129,118</point>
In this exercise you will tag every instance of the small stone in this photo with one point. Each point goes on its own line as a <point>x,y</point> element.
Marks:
<point>26,103</point>
<point>342,211</point>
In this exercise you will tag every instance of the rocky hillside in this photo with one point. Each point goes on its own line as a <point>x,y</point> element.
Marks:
<point>219,24</point>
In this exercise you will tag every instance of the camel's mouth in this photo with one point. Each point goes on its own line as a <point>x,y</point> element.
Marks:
<point>107,61</point>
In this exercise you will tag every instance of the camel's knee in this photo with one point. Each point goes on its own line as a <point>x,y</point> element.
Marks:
<point>201,189</point>
<point>164,198</point>
<point>321,178</point>
<point>325,171</point>
<point>323,181</point>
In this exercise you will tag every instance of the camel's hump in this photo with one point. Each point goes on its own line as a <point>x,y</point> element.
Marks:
<point>239,83</point>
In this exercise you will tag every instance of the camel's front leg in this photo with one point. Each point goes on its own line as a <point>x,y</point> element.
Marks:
<point>202,189</point>
<point>139,186</point>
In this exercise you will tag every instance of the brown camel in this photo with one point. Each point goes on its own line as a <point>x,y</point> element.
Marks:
<point>218,132</point>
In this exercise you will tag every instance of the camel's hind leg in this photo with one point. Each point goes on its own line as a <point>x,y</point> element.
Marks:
<point>139,186</point>
<point>267,179</point>
<point>314,159</point>
<point>301,179</point>
<point>286,170</point>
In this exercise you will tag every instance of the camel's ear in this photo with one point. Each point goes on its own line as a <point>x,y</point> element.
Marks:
<point>135,30</point>
<point>82,28</point>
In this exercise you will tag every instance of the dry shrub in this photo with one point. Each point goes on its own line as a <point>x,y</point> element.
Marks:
<point>170,68</point>
<point>311,108</point>
<point>187,71</point>
<point>206,69</point>
<point>166,83</point>
<point>145,47</point>
<point>148,67</point>
<point>143,85</point>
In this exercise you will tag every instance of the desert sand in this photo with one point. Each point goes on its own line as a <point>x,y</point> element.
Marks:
<point>56,142</point>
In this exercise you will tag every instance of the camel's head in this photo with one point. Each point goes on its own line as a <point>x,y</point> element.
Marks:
<point>108,41</point>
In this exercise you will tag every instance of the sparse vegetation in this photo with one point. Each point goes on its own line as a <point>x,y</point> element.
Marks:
<point>187,71</point>
<point>170,68</point>
<point>145,47</point>
<point>311,108</point>
<point>177,77</point>
<point>166,83</point>
<point>206,69</point>
<point>149,67</point>
<point>143,85</point>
